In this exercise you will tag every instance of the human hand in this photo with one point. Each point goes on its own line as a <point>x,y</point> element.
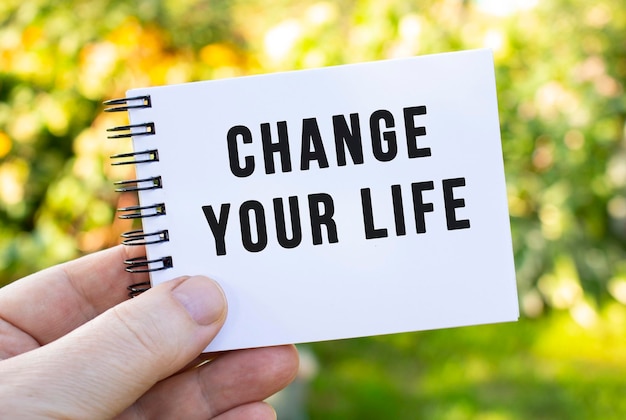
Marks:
<point>73,346</point>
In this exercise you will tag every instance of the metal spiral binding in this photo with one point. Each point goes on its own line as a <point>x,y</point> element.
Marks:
<point>138,288</point>
<point>144,184</point>
<point>134,265</point>
<point>130,130</point>
<point>138,237</point>
<point>141,212</point>
<point>136,157</point>
<point>124,104</point>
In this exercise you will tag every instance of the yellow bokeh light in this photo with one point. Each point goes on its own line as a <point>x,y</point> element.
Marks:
<point>5,144</point>
<point>219,55</point>
<point>12,179</point>
<point>617,288</point>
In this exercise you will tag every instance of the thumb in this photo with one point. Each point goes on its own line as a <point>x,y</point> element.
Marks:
<point>105,365</point>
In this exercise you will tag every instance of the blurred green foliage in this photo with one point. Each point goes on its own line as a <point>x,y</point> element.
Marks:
<point>561,72</point>
<point>534,369</point>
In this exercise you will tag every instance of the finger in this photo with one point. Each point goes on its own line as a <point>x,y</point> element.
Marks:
<point>233,379</point>
<point>252,411</point>
<point>13,341</point>
<point>68,295</point>
<point>107,364</point>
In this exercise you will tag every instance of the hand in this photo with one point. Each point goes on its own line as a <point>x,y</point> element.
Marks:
<point>72,345</point>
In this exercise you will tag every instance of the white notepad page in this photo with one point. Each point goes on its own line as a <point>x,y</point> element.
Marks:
<point>397,172</point>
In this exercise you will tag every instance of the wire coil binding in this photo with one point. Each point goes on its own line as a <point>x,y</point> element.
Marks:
<point>141,212</point>
<point>124,104</point>
<point>144,184</point>
<point>131,130</point>
<point>138,288</point>
<point>133,158</point>
<point>138,237</point>
<point>134,265</point>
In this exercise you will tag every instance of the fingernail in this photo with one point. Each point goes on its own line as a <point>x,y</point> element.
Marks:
<point>202,298</point>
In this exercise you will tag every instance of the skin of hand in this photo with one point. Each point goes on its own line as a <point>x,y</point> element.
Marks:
<point>73,346</point>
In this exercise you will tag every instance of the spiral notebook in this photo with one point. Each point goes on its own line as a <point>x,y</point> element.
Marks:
<point>330,203</point>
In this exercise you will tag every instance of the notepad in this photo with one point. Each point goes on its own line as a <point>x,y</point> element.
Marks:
<point>329,203</point>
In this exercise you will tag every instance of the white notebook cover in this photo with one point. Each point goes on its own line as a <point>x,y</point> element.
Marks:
<point>454,272</point>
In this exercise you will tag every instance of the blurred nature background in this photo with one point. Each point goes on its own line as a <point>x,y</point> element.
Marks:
<point>561,74</point>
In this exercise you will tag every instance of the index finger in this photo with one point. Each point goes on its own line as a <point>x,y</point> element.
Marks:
<point>49,304</point>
